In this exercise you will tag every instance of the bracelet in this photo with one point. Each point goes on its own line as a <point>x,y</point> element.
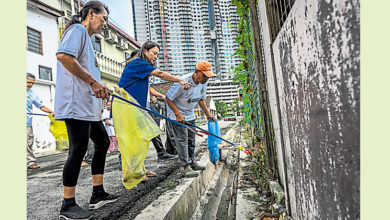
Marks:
<point>92,82</point>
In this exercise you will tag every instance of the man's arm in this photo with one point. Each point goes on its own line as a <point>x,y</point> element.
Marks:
<point>155,93</point>
<point>203,106</point>
<point>172,105</point>
<point>46,109</point>
<point>74,67</point>
<point>168,77</point>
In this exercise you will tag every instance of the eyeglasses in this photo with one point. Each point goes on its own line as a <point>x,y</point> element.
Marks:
<point>31,82</point>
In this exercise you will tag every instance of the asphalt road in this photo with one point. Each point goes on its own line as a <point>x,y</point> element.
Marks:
<point>45,194</point>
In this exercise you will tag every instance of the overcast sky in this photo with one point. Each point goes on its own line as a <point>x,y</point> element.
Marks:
<point>121,14</point>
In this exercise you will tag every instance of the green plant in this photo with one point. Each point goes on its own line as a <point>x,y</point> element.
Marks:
<point>169,184</point>
<point>245,76</point>
<point>221,107</point>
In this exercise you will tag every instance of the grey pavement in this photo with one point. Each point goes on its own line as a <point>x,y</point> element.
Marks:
<point>44,185</point>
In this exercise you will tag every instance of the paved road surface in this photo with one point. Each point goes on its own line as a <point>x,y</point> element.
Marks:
<point>44,185</point>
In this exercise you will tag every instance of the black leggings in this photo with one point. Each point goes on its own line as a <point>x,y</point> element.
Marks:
<point>79,133</point>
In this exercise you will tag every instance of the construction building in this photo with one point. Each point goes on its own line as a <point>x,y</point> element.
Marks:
<point>189,31</point>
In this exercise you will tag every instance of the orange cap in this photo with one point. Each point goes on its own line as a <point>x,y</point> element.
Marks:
<point>206,68</point>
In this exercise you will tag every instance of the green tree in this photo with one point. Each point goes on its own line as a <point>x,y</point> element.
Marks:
<point>236,106</point>
<point>222,107</point>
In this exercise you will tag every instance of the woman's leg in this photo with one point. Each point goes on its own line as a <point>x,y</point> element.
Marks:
<point>78,133</point>
<point>101,140</point>
<point>100,137</point>
<point>115,141</point>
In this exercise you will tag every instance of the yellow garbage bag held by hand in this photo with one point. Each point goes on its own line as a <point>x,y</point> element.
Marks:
<point>58,129</point>
<point>134,129</point>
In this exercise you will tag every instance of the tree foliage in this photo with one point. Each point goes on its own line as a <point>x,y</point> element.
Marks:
<point>242,72</point>
<point>222,108</point>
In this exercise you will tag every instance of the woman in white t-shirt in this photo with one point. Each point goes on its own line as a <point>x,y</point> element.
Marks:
<point>78,90</point>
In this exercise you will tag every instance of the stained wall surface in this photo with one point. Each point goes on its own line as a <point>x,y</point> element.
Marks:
<point>314,91</point>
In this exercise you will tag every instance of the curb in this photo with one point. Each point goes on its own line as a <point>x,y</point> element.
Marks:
<point>183,201</point>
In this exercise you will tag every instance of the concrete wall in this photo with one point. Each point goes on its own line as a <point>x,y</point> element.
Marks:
<point>315,99</point>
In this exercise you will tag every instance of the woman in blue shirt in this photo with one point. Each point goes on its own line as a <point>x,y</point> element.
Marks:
<point>135,80</point>
<point>135,76</point>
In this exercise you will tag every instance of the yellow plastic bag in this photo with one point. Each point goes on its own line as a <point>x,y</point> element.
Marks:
<point>58,129</point>
<point>134,128</point>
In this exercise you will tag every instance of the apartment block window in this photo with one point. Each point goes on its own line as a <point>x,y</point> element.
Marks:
<point>45,73</point>
<point>96,44</point>
<point>277,12</point>
<point>34,40</point>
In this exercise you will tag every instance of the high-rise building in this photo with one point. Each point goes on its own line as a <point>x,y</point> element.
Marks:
<point>188,31</point>
<point>223,89</point>
<point>140,16</point>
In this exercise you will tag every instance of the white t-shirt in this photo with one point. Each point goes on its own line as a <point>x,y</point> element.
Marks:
<point>73,97</point>
<point>186,100</point>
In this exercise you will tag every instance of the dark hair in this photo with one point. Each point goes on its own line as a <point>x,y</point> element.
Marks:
<point>133,56</point>
<point>134,53</point>
<point>29,75</point>
<point>147,46</point>
<point>96,6</point>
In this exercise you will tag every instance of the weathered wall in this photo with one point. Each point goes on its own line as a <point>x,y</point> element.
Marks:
<point>317,73</point>
<point>281,137</point>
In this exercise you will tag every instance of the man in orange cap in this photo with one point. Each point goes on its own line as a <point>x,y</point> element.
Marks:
<point>181,104</point>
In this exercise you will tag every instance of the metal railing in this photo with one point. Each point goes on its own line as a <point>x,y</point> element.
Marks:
<point>277,12</point>
<point>109,65</point>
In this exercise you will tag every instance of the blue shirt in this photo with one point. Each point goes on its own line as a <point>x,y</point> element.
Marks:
<point>74,97</point>
<point>135,80</point>
<point>32,99</point>
<point>186,100</point>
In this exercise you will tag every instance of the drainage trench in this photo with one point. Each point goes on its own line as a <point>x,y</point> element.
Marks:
<point>227,198</point>
<point>211,195</point>
<point>228,190</point>
<point>219,200</point>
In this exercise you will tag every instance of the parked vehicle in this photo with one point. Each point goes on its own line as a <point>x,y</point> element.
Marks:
<point>230,118</point>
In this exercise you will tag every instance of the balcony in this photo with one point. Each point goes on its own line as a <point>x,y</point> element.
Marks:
<point>187,24</point>
<point>109,67</point>
<point>183,17</point>
<point>184,9</point>
<point>187,34</point>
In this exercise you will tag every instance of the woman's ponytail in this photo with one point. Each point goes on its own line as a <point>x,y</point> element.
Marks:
<point>96,6</point>
<point>75,19</point>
